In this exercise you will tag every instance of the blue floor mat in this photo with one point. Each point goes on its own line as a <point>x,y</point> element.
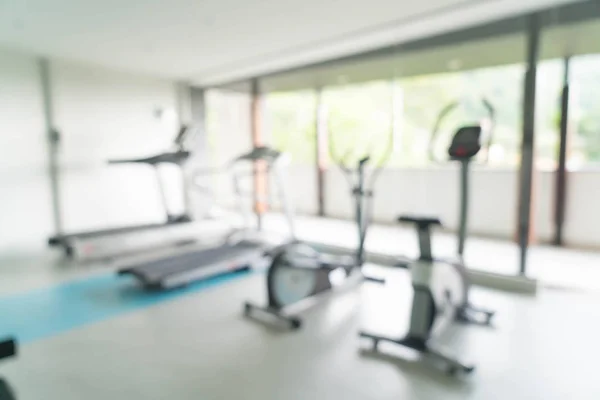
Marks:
<point>49,311</point>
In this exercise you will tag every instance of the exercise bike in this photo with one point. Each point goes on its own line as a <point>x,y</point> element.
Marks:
<point>299,272</point>
<point>441,287</point>
<point>8,348</point>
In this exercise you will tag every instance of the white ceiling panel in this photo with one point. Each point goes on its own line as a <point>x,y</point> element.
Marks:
<point>214,41</point>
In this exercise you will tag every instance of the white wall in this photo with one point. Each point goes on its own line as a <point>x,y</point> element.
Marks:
<point>25,201</point>
<point>493,204</point>
<point>582,226</point>
<point>301,186</point>
<point>434,191</point>
<point>103,114</point>
<point>100,114</point>
<point>544,205</point>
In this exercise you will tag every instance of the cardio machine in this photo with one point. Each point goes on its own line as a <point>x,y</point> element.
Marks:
<point>441,286</point>
<point>240,250</point>
<point>175,230</point>
<point>8,348</point>
<point>300,272</point>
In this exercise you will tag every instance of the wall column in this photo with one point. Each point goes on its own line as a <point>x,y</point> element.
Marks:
<point>560,193</point>
<point>527,144</point>
<point>321,125</point>
<point>53,140</point>
<point>256,131</point>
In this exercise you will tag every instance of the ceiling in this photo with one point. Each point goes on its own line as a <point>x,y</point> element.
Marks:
<point>211,42</point>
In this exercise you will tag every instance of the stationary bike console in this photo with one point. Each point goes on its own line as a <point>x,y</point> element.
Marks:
<point>466,143</point>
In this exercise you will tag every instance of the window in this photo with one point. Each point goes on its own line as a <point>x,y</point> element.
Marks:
<point>424,97</point>
<point>584,142</point>
<point>290,124</point>
<point>547,124</point>
<point>578,41</point>
<point>359,120</point>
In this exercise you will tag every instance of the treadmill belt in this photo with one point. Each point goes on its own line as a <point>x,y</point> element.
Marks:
<point>55,240</point>
<point>158,269</point>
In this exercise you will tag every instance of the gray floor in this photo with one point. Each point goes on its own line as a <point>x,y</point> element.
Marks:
<point>555,267</point>
<point>200,347</point>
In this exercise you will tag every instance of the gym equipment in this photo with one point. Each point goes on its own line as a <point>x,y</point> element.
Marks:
<point>471,145</point>
<point>467,143</point>
<point>300,272</point>
<point>106,243</point>
<point>237,252</point>
<point>8,348</point>
<point>441,287</point>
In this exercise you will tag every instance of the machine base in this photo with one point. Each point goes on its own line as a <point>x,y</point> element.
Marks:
<point>453,366</point>
<point>473,315</point>
<point>292,322</point>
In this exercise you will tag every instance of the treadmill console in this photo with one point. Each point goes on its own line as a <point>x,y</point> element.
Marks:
<point>466,143</point>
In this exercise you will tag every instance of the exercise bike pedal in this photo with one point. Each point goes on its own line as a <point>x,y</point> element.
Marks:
<point>454,370</point>
<point>295,323</point>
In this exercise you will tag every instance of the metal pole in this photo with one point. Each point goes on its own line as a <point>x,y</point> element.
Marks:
<point>464,207</point>
<point>396,114</point>
<point>561,169</point>
<point>53,139</point>
<point>284,199</point>
<point>197,112</point>
<point>527,145</point>
<point>163,195</point>
<point>260,188</point>
<point>321,149</point>
<point>360,196</point>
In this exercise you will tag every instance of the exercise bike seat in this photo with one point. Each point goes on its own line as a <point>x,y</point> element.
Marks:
<point>421,222</point>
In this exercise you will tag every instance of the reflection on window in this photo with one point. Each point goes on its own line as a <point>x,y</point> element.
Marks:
<point>290,123</point>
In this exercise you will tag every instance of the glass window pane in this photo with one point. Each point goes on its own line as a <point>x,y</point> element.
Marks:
<point>584,145</point>
<point>424,98</point>
<point>547,124</point>
<point>290,124</point>
<point>360,120</point>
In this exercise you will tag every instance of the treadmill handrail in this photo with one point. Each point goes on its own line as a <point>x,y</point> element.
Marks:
<point>176,157</point>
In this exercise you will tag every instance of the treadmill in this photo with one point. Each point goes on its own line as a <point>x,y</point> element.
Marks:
<point>175,230</point>
<point>236,252</point>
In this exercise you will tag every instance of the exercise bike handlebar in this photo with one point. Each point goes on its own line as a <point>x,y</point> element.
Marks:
<point>363,161</point>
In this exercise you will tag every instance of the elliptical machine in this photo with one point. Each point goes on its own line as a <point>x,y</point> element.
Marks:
<point>441,286</point>
<point>299,272</point>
